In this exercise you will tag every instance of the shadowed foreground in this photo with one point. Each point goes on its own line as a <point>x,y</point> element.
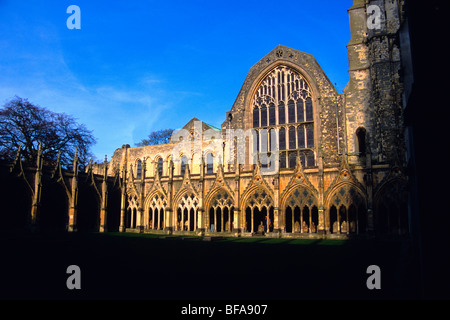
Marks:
<point>137,266</point>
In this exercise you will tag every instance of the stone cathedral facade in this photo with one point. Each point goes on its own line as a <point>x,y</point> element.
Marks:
<point>293,157</point>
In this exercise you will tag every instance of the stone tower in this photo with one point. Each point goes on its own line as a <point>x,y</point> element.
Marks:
<point>373,95</point>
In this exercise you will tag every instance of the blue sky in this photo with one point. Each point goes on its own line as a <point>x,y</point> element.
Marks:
<point>139,66</point>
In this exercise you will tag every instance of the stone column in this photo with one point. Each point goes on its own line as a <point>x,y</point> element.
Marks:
<point>103,209</point>
<point>276,209</point>
<point>321,228</point>
<point>369,189</point>
<point>153,219</point>
<point>195,219</point>
<point>140,223</point>
<point>169,221</point>
<point>73,206</point>
<point>215,219</point>
<point>189,220</point>
<point>123,203</point>
<point>37,192</point>
<point>252,227</point>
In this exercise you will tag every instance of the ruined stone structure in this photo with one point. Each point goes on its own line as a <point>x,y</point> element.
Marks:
<point>293,158</point>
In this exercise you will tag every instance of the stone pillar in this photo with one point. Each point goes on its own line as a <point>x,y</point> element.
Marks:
<point>182,220</point>
<point>252,227</point>
<point>35,208</point>
<point>73,206</point>
<point>189,220</point>
<point>201,222</point>
<point>195,219</point>
<point>277,211</point>
<point>104,205</point>
<point>123,203</point>
<point>237,222</point>
<point>215,219</point>
<point>237,227</point>
<point>369,190</point>
<point>168,221</point>
<point>169,224</point>
<point>153,219</point>
<point>321,228</point>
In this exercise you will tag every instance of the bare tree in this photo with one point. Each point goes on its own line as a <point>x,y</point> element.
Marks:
<point>30,125</point>
<point>156,137</point>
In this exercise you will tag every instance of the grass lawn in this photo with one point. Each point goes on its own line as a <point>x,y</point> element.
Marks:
<point>146,266</point>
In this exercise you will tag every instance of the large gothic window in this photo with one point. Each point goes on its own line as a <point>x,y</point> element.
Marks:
<point>284,102</point>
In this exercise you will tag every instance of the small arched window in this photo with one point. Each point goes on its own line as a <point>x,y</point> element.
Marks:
<point>139,169</point>
<point>209,163</point>
<point>361,137</point>
<point>184,162</point>
<point>160,167</point>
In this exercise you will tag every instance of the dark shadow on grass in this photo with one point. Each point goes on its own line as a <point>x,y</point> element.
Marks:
<point>146,266</point>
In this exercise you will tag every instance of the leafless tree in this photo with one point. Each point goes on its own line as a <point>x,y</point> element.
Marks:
<point>30,125</point>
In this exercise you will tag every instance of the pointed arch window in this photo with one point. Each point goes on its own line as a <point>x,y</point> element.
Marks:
<point>209,163</point>
<point>139,169</point>
<point>160,167</point>
<point>184,162</point>
<point>361,137</point>
<point>284,103</point>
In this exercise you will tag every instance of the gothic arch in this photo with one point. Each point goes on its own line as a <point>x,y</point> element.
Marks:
<point>346,209</point>
<point>186,210</point>
<point>299,206</point>
<point>257,207</point>
<point>286,91</point>
<point>219,205</point>
<point>132,209</point>
<point>269,69</point>
<point>155,205</point>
